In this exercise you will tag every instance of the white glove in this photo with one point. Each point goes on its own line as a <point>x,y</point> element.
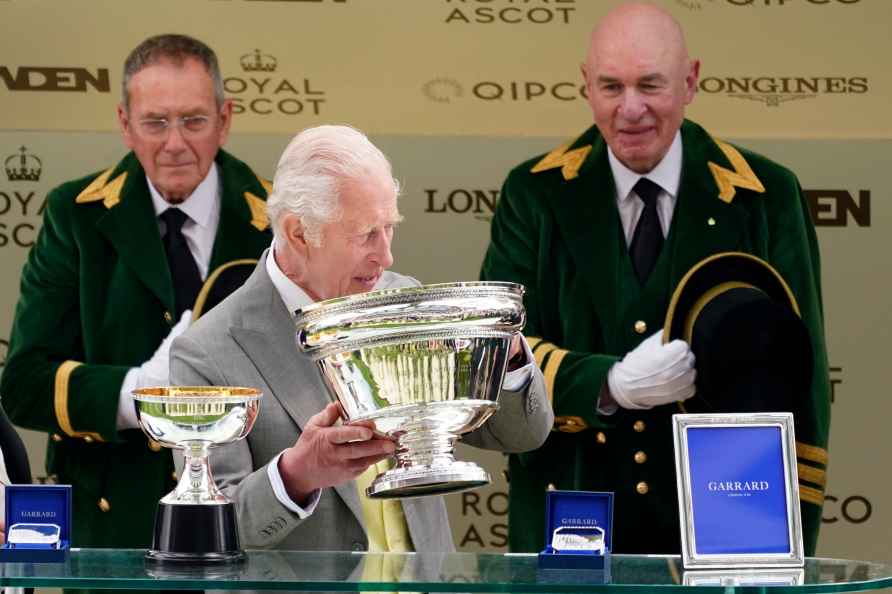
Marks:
<point>653,374</point>
<point>154,372</point>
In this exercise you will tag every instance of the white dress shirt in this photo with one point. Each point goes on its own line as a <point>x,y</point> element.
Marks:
<point>667,174</point>
<point>202,208</point>
<point>294,298</point>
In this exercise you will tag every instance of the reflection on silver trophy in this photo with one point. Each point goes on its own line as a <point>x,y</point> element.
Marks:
<point>425,364</point>
<point>196,522</point>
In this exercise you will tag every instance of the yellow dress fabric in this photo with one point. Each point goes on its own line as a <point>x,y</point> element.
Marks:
<point>386,528</point>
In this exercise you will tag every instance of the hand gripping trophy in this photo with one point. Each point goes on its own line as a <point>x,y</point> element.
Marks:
<point>425,364</point>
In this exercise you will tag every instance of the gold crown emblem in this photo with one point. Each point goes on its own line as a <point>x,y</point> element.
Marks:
<point>258,62</point>
<point>29,166</point>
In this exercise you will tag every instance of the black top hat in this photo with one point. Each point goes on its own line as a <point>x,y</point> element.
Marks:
<point>220,283</point>
<point>753,351</point>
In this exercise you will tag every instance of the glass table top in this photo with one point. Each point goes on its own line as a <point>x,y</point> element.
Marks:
<point>432,572</point>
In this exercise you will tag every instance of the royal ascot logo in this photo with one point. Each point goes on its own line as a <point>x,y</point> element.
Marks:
<point>481,204</point>
<point>449,90</point>
<point>701,4</point>
<point>737,488</point>
<point>54,78</point>
<point>511,12</point>
<point>23,166</point>
<point>20,209</point>
<point>261,91</point>
<point>775,90</point>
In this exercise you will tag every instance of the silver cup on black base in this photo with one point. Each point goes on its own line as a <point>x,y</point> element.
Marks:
<point>426,364</point>
<point>196,523</point>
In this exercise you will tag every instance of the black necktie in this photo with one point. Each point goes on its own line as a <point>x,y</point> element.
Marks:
<point>183,269</point>
<point>647,241</point>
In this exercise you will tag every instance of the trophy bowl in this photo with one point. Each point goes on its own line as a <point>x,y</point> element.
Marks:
<point>195,522</point>
<point>425,363</point>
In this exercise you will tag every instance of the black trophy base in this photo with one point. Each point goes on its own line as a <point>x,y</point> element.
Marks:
<point>192,533</point>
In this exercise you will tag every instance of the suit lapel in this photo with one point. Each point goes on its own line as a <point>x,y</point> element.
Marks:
<point>586,216</point>
<point>132,228</point>
<point>703,224</point>
<point>266,334</point>
<point>237,235</point>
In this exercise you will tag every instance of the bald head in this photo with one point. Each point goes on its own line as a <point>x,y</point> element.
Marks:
<point>639,79</point>
<point>637,28</point>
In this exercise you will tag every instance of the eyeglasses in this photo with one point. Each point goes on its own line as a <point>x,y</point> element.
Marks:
<point>190,125</point>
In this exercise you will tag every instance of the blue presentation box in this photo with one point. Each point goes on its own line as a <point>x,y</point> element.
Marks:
<point>38,524</point>
<point>578,530</point>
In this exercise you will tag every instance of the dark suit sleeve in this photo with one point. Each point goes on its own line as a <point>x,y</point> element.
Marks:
<point>45,385</point>
<point>519,252</point>
<point>793,250</point>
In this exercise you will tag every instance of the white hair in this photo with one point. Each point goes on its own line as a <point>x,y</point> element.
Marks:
<point>311,171</point>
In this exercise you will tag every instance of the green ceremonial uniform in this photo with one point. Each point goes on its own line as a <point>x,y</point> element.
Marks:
<point>96,300</point>
<point>557,230</point>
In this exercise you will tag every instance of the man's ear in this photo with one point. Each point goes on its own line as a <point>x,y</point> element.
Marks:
<point>293,231</point>
<point>125,126</point>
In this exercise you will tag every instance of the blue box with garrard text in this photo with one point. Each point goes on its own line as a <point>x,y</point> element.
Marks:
<point>578,530</point>
<point>739,501</point>
<point>38,524</point>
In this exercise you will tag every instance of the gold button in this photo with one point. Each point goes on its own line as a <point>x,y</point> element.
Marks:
<point>57,437</point>
<point>551,487</point>
<point>640,327</point>
<point>642,488</point>
<point>639,426</point>
<point>710,221</point>
<point>154,445</point>
<point>168,317</point>
<point>640,457</point>
<point>173,475</point>
<point>104,505</point>
<point>600,437</point>
<point>88,439</point>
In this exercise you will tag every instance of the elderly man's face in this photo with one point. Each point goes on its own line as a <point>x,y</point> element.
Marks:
<point>355,249</point>
<point>176,157</point>
<point>638,90</point>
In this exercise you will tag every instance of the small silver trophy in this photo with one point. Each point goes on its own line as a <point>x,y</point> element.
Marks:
<point>195,522</point>
<point>426,364</point>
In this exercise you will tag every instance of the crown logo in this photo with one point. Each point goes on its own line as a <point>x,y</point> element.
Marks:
<point>258,62</point>
<point>29,166</point>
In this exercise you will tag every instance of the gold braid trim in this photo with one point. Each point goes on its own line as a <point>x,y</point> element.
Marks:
<point>257,206</point>
<point>811,453</point>
<point>541,351</point>
<point>811,495</point>
<point>198,307</point>
<point>532,341</point>
<point>60,401</point>
<point>569,424</point>
<point>813,475</point>
<point>742,176</point>
<point>568,161</point>
<point>550,372</point>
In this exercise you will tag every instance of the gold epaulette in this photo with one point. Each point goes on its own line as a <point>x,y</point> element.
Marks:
<point>568,160</point>
<point>811,467</point>
<point>103,189</point>
<point>257,205</point>
<point>742,176</point>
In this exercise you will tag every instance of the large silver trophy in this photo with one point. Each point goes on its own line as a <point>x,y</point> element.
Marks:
<point>425,364</point>
<point>195,522</point>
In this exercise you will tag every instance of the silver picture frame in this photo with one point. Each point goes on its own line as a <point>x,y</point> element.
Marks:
<point>692,557</point>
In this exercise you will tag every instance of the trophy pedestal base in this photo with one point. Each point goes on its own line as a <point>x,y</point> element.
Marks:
<point>419,481</point>
<point>193,533</point>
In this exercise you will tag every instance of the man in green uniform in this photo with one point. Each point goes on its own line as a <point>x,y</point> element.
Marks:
<point>113,277</point>
<point>601,251</point>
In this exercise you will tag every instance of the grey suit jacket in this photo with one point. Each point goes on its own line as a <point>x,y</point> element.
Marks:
<point>248,340</point>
